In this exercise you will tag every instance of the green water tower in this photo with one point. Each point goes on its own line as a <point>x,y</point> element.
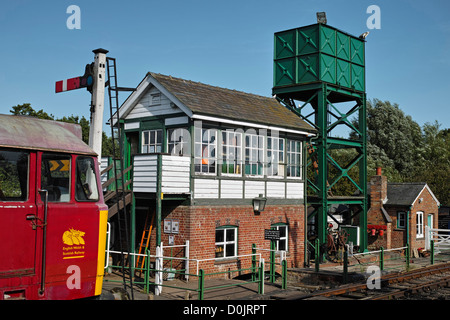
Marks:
<point>319,73</point>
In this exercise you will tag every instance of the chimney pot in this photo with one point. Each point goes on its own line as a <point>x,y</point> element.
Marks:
<point>378,171</point>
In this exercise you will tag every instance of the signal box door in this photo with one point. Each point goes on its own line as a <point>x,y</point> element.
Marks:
<point>18,213</point>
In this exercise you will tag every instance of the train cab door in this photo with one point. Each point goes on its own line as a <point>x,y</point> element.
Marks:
<point>72,233</point>
<point>18,221</point>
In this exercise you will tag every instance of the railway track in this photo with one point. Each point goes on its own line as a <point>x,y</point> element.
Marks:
<point>413,284</point>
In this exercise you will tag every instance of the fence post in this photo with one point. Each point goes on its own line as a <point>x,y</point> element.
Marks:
<point>201,284</point>
<point>345,277</point>
<point>253,262</point>
<point>283,274</point>
<point>186,248</point>
<point>432,251</point>
<point>261,277</point>
<point>407,257</point>
<point>272,261</point>
<point>158,274</point>
<point>317,255</point>
<point>147,272</point>
<point>381,258</point>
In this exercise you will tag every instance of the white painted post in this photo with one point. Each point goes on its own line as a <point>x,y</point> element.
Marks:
<point>263,275</point>
<point>98,102</point>
<point>158,275</point>
<point>427,237</point>
<point>187,260</point>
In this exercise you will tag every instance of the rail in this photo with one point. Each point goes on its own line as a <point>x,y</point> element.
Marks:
<point>160,272</point>
<point>154,272</point>
<point>273,264</point>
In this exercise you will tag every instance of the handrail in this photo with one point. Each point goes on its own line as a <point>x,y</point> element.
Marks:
<point>44,241</point>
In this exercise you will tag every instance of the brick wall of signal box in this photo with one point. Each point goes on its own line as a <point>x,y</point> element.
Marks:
<point>198,224</point>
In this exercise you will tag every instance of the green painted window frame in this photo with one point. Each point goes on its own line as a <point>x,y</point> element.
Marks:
<point>401,217</point>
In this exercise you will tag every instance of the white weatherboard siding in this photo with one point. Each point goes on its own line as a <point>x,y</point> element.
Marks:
<point>276,189</point>
<point>294,190</point>
<point>254,188</point>
<point>206,189</point>
<point>175,174</point>
<point>231,189</point>
<point>145,173</point>
<point>146,107</point>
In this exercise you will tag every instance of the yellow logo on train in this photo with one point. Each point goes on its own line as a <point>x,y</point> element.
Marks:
<point>73,237</point>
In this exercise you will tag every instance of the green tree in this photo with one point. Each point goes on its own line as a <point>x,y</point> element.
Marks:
<point>26,110</point>
<point>394,140</point>
<point>435,167</point>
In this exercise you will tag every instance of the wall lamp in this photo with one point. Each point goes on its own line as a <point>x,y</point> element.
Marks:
<point>259,203</point>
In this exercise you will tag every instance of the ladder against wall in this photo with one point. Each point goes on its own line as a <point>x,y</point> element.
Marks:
<point>118,193</point>
<point>145,241</point>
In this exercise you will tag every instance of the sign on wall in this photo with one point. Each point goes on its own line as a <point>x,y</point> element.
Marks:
<point>171,226</point>
<point>271,234</point>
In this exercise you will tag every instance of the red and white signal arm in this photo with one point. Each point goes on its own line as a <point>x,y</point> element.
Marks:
<point>84,81</point>
<point>68,84</point>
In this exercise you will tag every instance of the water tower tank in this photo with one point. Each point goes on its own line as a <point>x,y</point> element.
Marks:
<point>318,53</point>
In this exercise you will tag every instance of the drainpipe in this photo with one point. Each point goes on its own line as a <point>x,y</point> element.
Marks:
<point>408,228</point>
<point>158,200</point>
<point>305,193</point>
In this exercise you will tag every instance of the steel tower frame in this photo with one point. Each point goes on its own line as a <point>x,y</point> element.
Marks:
<point>323,98</point>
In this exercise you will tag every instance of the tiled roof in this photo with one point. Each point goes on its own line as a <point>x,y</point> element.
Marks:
<point>231,104</point>
<point>403,194</point>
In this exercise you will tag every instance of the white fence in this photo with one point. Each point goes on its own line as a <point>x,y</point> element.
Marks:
<point>441,238</point>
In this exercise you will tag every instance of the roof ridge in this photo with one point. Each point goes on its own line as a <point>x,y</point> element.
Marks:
<point>405,183</point>
<point>211,86</point>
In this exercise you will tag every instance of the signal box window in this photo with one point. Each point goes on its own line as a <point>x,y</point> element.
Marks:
<point>13,175</point>
<point>152,141</point>
<point>205,150</point>
<point>55,177</point>
<point>231,152</point>
<point>86,186</point>
<point>179,142</point>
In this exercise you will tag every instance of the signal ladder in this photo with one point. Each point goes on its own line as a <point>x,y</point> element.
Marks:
<point>120,198</point>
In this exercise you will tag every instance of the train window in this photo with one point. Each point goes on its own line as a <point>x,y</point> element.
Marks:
<point>86,186</point>
<point>55,177</point>
<point>13,175</point>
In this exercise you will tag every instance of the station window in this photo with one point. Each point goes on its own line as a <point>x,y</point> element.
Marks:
<point>226,242</point>
<point>152,141</point>
<point>13,175</point>
<point>294,157</point>
<point>205,150</point>
<point>419,224</point>
<point>86,186</point>
<point>179,142</point>
<point>231,152</point>
<point>275,157</point>
<point>282,244</point>
<point>401,220</point>
<point>254,154</point>
<point>55,177</point>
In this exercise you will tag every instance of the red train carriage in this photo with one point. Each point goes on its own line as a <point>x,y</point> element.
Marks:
<point>52,214</point>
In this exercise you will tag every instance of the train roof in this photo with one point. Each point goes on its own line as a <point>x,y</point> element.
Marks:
<point>25,132</point>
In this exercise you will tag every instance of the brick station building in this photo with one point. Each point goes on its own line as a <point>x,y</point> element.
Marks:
<point>399,213</point>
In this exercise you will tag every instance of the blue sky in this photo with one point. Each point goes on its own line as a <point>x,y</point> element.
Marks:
<point>223,43</point>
